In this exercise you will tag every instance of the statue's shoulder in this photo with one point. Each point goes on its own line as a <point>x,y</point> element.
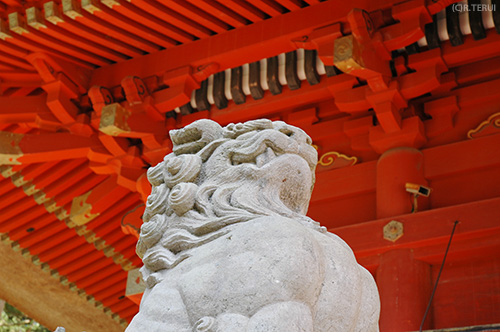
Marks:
<point>273,224</point>
<point>278,232</point>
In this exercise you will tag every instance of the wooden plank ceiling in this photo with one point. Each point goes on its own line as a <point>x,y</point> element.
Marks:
<point>89,90</point>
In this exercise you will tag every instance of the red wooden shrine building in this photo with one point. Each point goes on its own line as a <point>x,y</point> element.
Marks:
<point>392,93</point>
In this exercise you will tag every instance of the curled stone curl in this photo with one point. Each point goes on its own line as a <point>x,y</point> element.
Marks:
<point>182,197</point>
<point>183,168</point>
<point>155,174</point>
<point>158,258</point>
<point>151,233</point>
<point>157,201</point>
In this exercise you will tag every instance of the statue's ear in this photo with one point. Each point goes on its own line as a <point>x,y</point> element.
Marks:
<point>195,136</point>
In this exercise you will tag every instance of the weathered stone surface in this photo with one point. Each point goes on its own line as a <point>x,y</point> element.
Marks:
<point>226,244</point>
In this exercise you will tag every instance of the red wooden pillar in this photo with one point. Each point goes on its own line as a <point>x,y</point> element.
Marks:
<point>404,283</point>
<point>395,168</point>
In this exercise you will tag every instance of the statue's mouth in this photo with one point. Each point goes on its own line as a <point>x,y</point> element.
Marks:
<point>265,146</point>
<point>259,149</point>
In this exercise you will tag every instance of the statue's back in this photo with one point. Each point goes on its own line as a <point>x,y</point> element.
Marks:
<point>227,246</point>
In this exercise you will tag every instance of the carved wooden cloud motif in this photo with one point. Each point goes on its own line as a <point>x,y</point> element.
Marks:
<point>227,246</point>
<point>489,127</point>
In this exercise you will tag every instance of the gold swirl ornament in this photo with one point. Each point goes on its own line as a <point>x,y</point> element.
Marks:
<point>183,168</point>
<point>336,160</point>
<point>182,197</point>
<point>488,127</point>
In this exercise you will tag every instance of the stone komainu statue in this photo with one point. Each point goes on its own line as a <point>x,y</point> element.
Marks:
<point>226,244</point>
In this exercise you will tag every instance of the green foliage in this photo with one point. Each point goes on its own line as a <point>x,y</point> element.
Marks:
<point>13,320</point>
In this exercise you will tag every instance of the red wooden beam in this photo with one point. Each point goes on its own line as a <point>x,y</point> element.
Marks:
<point>130,19</point>
<point>347,181</point>
<point>426,78</point>
<point>461,157</point>
<point>471,50</point>
<point>105,24</point>
<point>197,15</point>
<point>78,30</point>
<point>21,42</point>
<point>221,12</point>
<point>180,23</point>
<point>23,109</point>
<point>65,253</point>
<point>233,48</point>
<point>424,228</point>
<point>244,9</point>
<point>14,62</point>
<point>36,20</point>
<point>477,71</point>
<point>19,26</point>
<point>442,161</point>
<point>290,4</point>
<point>42,244</point>
<point>270,7</point>
<point>20,78</point>
<point>26,149</point>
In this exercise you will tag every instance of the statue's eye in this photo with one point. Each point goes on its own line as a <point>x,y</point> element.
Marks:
<point>287,132</point>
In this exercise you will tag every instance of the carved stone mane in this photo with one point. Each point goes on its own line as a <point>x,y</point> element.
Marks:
<point>190,205</point>
<point>243,191</point>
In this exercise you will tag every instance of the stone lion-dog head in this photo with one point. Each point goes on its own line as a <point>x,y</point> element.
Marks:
<point>221,176</point>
